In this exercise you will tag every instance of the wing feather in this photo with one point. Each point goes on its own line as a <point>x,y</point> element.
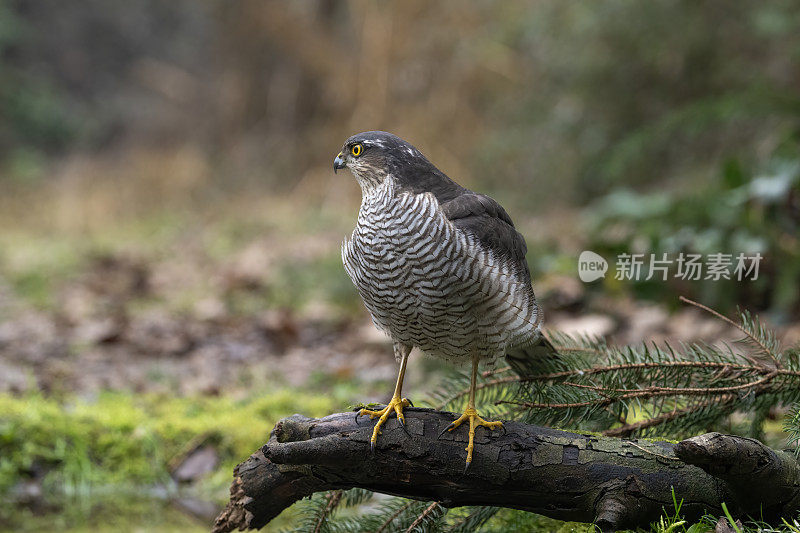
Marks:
<point>485,219</point>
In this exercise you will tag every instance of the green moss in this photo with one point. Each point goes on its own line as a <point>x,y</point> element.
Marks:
<point>119,439</point>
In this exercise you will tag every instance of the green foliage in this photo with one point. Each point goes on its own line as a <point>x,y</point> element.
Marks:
<point>670,523</point>
<point>792,428</point>
<point>731,522</point>
<point>32,106</point>
<point>386,514</point>
<point>632,94</point>
<point>741,212</point>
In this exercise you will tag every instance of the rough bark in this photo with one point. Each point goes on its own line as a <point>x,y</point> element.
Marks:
<point>570,476</point>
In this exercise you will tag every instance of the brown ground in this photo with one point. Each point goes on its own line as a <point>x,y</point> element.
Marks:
<point>114,327</point>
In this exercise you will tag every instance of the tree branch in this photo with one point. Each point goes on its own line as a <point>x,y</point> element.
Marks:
<point>570,476</point>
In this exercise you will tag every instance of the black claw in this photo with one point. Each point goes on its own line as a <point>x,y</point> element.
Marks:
<point>503,427</point>
<point>357,414</point>
<point>467,467</point>
<point>403,425</point>
<point>410,403</point>
<point>448,428</point>
<point>372,448</point>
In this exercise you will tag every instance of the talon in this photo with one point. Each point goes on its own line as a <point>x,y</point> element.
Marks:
<point>396,405</point>
<point>445,430</point>
<point>402,422</point>
<point>410,403</point>
<point>475,421</point>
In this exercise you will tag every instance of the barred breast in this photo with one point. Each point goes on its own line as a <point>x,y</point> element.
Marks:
<point>428,284</point>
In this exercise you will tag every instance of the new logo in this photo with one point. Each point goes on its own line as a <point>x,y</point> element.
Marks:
<point>591,266</point>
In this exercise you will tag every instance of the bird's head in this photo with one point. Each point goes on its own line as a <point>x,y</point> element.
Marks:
<point>373,155</point>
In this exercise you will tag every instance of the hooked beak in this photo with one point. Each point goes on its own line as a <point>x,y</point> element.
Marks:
<point>338,162</point>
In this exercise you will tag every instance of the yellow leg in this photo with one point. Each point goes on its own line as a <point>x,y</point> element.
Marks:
<point>396,404</point>
<point>472,415</point>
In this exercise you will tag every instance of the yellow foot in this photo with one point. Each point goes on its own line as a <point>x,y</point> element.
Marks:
<point>396,405</point>
<point>474,421</point>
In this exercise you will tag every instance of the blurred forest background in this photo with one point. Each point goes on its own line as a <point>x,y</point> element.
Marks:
<point>170,280</point>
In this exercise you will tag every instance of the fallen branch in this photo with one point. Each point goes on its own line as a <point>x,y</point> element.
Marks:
<point>570,476</point>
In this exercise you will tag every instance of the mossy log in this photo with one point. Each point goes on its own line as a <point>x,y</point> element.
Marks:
<point>615,483</point>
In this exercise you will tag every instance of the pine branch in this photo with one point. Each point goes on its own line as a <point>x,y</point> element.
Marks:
<point>792,427</point>
<point>393,516</point>
<point>722,397</point>
<point>755,338</point>
<point>474,520</point>
<point>643,378</point>
<point>649,392</point>
<point>603,369</point>
<point>428,510</point>
<point>627,430</point>
<point>488,373</point>
<point>334,497</point>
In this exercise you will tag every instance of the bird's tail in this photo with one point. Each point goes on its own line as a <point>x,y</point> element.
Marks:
<point>534,359</point>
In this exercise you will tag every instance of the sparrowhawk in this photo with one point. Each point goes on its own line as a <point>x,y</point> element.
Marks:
<point>438,266</point>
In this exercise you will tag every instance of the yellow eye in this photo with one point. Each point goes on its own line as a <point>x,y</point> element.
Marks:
<point>357,149</point>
